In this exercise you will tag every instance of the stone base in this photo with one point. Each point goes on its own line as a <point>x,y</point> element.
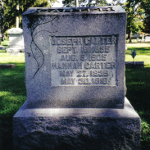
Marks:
<point>135,64</point>
<point>72,129</point>
<point>5,66</point>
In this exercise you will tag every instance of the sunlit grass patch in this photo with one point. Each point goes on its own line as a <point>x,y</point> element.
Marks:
<point>12,94</point>
<point>142,53</point>
<point>6,58</point>
<point>5,42</point>
<point>138,85</point>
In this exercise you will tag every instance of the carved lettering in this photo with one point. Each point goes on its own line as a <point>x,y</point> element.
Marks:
<point>99,80</point>
<point>68,58</point>
<point>67,81</point>
<point>70,65</point>
<point>84,81</point>
<point>64,73</point>
<point>83,60</point>
<point>99,73</point>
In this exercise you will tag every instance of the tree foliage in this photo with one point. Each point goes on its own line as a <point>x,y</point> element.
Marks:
<point>10,11</point>
<point>145,4</point>
<point>84,3</point>
<point>138,11</point>
<point>135,16</point>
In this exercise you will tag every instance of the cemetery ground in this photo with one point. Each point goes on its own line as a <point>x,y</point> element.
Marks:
<point>13,92</point>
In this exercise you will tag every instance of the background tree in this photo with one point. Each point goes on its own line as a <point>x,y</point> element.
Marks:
<point>10,11</point>
<point>1,23</point>
<point>145,4</point>
<point>71,3</point>
<point>135,16</point>
<point>101,3</point>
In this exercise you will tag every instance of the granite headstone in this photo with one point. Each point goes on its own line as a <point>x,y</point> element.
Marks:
<point>75,62</point>
<point>147,38</point>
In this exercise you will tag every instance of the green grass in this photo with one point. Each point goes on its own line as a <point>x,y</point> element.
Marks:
<point>12,95</point>
<point>5,44</point>
<point>13,92</point>
<point>142,53</point>
<point>138,85</point>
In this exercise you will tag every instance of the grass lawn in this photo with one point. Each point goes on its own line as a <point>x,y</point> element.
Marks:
<point>138,85</point>
<point>12,95</point>
<point>13,92</point>
<point>5,44</point>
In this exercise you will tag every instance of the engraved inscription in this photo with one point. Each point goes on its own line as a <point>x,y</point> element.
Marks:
<point>86,60</point>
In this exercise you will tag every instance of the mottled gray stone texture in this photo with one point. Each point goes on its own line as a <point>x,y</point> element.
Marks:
<point>45,87</point>
<point>72,129</point>
<point>78,105</point>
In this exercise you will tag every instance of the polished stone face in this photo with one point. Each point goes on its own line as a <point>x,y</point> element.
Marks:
<point>83,61</point>
<point>75,60</point>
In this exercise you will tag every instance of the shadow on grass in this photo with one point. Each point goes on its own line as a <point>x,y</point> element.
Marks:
<point>138,93</point>
<point>12,96</point>
<point>138,85</point>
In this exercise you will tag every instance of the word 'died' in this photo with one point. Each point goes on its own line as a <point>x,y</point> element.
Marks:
<point>78,61</point>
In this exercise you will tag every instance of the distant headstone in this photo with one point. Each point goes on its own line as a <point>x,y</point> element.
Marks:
<point>16,41</point>
<point>135,64</point>
<point>147,38</point>
<point>14,51</point>
<point>139,40</point>
<point>136,35</point>
<point>75,81</point>
<point>2,47</point>
<point>6,66</point>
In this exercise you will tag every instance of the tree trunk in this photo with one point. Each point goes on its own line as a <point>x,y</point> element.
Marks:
<point>1,20</point>
<point>129,37</point>
<point>17,17</point>
<point>0,40</point>
<point>76,3</point>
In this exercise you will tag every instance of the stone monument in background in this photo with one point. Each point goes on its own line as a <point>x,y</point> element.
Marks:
<point>16,40</point>
<point>75,81</point>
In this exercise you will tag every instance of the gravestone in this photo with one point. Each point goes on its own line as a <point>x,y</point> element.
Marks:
<point>147,38</point>
<point>135,64</point>
<point>6,66</point>
<point>136,35</point>
<point>2,47</point>
<point>16,41</point>
<point>75,60</point>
